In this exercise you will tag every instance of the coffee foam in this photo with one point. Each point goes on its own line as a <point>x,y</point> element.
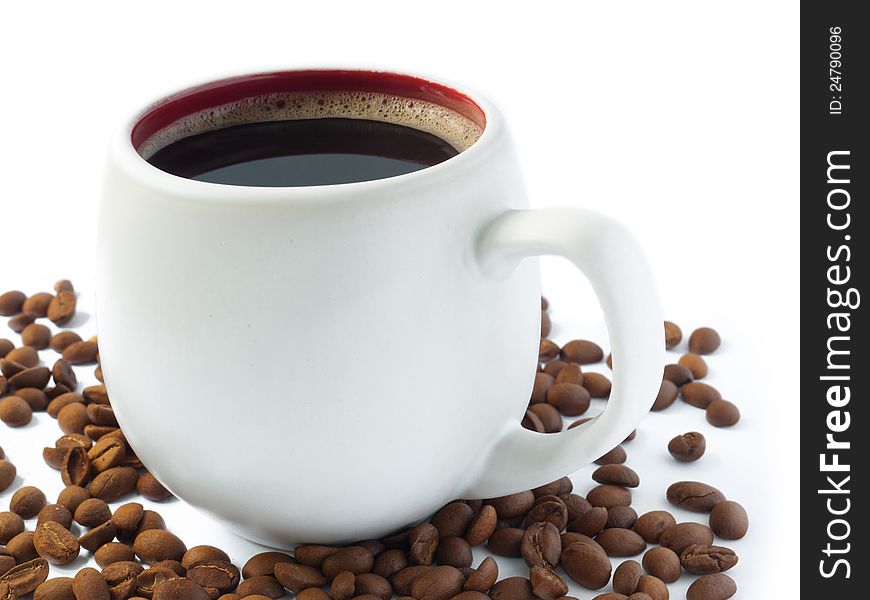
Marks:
<point>453,127</point>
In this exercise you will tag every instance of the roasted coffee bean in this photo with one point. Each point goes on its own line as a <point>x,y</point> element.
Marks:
<point>597,385</point>
<point>607,496</point>
<point>149,579</point>
<point>62,308</point>
<point>92,512</point>
<point>543,382</point>
<point>107,453</point>
<point>569,399</point>
<point>482,526</point>
<point>703,560</point>
<point>27,501</point>
<point>423,541</point>
<point>98,373</point>
<point>21,547</point>
<point>55,544</point>
<point>98,536</point>
<point>63,374</point>
<point>389,562</point>
<point>620,542</point>
<point>113,552</point>
<point>506,542</point>
<point>712,587</point>
<point>729,520</point>
<point>403,580</point>
<point>9,368</point>
<point>532,422</point>
<point>721,413</point>
<point>150,520</point>
<point>650,525</point>
<point>97,432</point>
<point>688,447</point>
<point>221,575</point>
<point>6,563</point>
<point>575,504</point>
<point>554,367</point>
<point>174,565</point>
<point>552,511</point>
<point>682,535</point>
<point>667,395</point>
<point>11,302</point>
<point>662,563</point>
<point>582,352</point>
<point>5,347</point>
<point>699,394</point>
<point>622,517</point>
<point>355,559</point>
<point>677,374</point>
<point>259,564</point>
<point>439,583</point>
<point>58,403</point>
<point>298,577</point>
<point>262,585</point>
<point>148,487</point>
<point>626,576</point>
<point>81,353</point>
<point>483,578</point>
<point>546,324</point>
<point>673,335</point>
<point>586,565</point>
<point>452,520</point>
<point>75,468</point>
<point>570,373</point>
<point>454,551</point>
<point>470,595</point>
<point>37,399</point>
<point>204,553</point>
<point>704,340</point>
<point>34,377</point>
<point>37,304</point>
<point>7,474</point>
<point>571,537</point>
<point>155,545</point>
<point>512,588</point>
<point>89,584</point>
<point>562,485</point>
<point>180,589</point>
<point>62,339</point>
<point>694,496</point>
<point>56,588</point>
<point>25,356</point>
<point>616,475</point>
<point>515,505</point>
<point>15,412</point>
<point>23,578</point>
<point>114,483</point>
<point>36,335</point>
<point>21,321</point>
<point>102,414</point>
<point>591,522</point>
<point>96,394</point>
<point>73,418</point>
<point>616,456</point>
<point>63,285</point>
<point>53,392</point>
<point>74,440</point>
<point>11,525</point>
<point>72,496</point>
<point>549,416</point>
<point>546,583</point>
<point>541,545</point>
<point>653,587</point>
<point>548,350</point>
<point>374,585</point>
<point>696,364</point>
<point>55,513</point>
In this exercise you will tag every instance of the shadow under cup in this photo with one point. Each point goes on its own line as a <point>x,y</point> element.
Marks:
<point>307,128</point>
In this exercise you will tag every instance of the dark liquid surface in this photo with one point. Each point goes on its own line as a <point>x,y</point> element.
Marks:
<point>303,152</point>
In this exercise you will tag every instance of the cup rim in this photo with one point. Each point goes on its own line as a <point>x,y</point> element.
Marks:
<point>125,154</point>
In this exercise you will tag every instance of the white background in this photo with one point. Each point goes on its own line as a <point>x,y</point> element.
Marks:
<point>678,118</point>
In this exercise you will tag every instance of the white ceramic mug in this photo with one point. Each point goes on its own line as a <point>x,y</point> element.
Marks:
<point>327,364</point>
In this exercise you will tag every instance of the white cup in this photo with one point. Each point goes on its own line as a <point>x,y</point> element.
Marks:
<point>328,364</point>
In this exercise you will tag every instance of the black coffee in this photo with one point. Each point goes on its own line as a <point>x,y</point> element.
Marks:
<point>303,152</point>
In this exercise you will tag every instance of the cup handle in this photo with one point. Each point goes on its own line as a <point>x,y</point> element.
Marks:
<point>611,258</point>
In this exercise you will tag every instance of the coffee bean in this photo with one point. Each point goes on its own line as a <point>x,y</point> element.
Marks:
<point>72,496</point>
<point>15,412</point>
<point>23,578</point>
<point>673,335</point>
<point>92,512</point>
<point>62,339</point>
<point>34,377</point>
<point>539,390</point>
<point>607,496</point>
<point>106,454</point>
<point>626,576</point>
<point>548,350</point>
<point>454,551</point>
<point>575,504</point>
<point>7,474</point>
<point>452,520</point>
<point>5,347</point>
<point>11,302</point>
<point>60,402</point>
<point>27,501</point>
<point>551,510</point>
<point>81,353</point>
<point>512,588</point>
<point>470,595</point>
<point>114,483</point>
<point>514,505</point>
<point>677,374</point>
<point>620,542</point>
<point>21,547</point>
<point>102,414</point>
<point>541,545</point>
<point>148,487</point>
<point>174,565</point>
<point>11,525</point>
<point>25,356</point>
<point>389,562</point>
<point>729,520</point>
<point>355,559</point>
<point>298,577</point>
<point>36,335</point>
<point>482,526</point>
<point>6,563</point>
<point>373,585</point>
<point>688,447</point>
<point>204,553</point>
<point>662,563</point>
<point>318,594</point>
<point>150,520</point>
<point>571,537</point>
<point>506,542</point>
<point>423,541</point>
<point>546,583</point>
<point>96,394</point>
<point>650,525</point>
<point>220,575</point>
<point>582,352</point>
<point>98,536</point>
<point>73,418</point>
<point>622,517</point>
<point>53,392</point>
<point>570,373</point>
<point>63,374</point>
<point>75,468</point>
<point>703,560</point>
<point>37,304</point>
<point>616,456</point>
<point>56,588</point>
<point>721,413</point>
<point>21,321</point>
<point>37,399</point>
<point>62,308</point>
<point>554,367</point>
<point>260,564</point>
<point>439,583</point>
<point>616,475</point>
<point>549,417</point>
<point>55,544</point>
<point>597,385</point>
<point>149,579</point>
<point>483,578</point>
<point>586,565</point>
<point>155,545</point>
<point>712,587</point>
<point>403,580</point>
<point>97,432</point>
<point>55,513</point>
<point>263,585</point>
<point>704,340</point>
<point>180,589</point>
<point>570,399</point>
<point>696,364</point>
<point>682,535</point>
<point>591,522</point>
<point>88,584</point>
<point>113,552</point>
<point>699,394</point>
<point>694,495</point>
<point>652,586</point>
<point>532,422</point>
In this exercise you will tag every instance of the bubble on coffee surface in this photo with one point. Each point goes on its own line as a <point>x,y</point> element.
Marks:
<point>451,126</point>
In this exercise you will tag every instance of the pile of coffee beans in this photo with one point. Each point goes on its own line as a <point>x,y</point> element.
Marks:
<point>558,533</point>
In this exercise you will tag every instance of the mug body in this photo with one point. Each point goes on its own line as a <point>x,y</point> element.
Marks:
<point>314,364</point>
